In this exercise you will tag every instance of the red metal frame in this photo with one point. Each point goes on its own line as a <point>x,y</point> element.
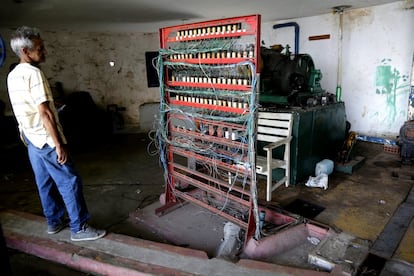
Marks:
<point>252,22</point>
<point>210,85</point>
<point>230,28</point>
<point>211,107</point>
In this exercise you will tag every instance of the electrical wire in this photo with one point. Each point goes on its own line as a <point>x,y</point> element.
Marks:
<point>177,123</point>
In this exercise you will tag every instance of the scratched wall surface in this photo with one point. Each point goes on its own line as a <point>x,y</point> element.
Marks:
<point>411,97</point>
<point>376,65</point>
<point>81,61</point>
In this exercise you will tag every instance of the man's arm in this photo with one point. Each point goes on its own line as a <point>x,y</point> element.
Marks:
<point>49,122</point>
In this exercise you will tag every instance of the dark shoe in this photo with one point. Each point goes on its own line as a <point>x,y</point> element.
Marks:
<point>87,233</point>
<point>53,229</point>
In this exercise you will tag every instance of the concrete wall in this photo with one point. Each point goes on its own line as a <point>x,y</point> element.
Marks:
<point>81,62</point>
<point>377,59</point>
<point>377,49</point>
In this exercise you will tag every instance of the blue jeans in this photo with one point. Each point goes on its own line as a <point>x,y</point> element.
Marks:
<point>49,175</point>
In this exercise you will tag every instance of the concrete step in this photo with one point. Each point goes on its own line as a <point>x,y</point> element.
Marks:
<point>123,255</point>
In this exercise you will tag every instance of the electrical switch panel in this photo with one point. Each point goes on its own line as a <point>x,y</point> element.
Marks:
<point>208,99</point>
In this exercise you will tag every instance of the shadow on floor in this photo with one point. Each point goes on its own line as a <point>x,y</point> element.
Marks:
<point>121,177</point>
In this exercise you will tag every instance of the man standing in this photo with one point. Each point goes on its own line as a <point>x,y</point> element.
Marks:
<point>40,130</point>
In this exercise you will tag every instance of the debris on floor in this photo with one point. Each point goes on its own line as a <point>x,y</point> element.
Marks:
<point>339,249</point>
<point>231,244</point>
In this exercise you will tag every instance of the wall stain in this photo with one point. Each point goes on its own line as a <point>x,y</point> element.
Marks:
<point>130,75</point>
<point>358,13</point>
<point>365,111</point>
<point>389,83</point>
<point>358,17</point>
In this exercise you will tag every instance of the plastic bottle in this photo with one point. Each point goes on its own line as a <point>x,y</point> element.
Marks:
<point>262,216</point>
<point>325,166</point>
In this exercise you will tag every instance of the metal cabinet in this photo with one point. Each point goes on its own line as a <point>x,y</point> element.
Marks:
<point>318,133</point>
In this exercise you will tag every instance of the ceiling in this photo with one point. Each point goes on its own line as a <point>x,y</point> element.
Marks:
<point>150,15</point>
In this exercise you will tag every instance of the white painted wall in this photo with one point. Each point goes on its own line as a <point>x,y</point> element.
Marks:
<point>386,36</point>
<point>375,40</point>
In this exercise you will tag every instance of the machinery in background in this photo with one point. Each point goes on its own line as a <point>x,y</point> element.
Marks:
<point>290,83</point>
<point>84,123</point>
<point>290,80</point>
<point>406,142</point>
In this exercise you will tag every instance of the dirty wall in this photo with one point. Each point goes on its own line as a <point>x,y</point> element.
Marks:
<point>110,66</point>
<point>377,55</point>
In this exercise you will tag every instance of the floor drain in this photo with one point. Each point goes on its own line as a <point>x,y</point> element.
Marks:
<point>372,266</point>
<point>304,208</point>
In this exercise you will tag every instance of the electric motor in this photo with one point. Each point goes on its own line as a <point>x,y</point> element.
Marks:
<point>286,74</point>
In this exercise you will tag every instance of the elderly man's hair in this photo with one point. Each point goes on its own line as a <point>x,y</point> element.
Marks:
<point>22,39</point>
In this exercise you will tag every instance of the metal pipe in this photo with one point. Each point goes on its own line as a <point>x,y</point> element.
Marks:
<point>277,243</point>
<point>339,71</point>
<point>296,26</point>
<point>340,11</point>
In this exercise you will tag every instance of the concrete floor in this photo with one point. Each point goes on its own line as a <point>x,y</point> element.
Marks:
<point>123,183</point>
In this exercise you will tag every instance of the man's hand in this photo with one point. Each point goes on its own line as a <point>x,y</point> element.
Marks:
<point>62,154</point>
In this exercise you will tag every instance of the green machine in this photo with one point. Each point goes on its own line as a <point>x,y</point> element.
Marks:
<point>318,133</point>
<point>290,83</point>
<point>288,79</point>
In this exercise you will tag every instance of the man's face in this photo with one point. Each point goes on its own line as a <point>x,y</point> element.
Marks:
<point>38,53</point>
